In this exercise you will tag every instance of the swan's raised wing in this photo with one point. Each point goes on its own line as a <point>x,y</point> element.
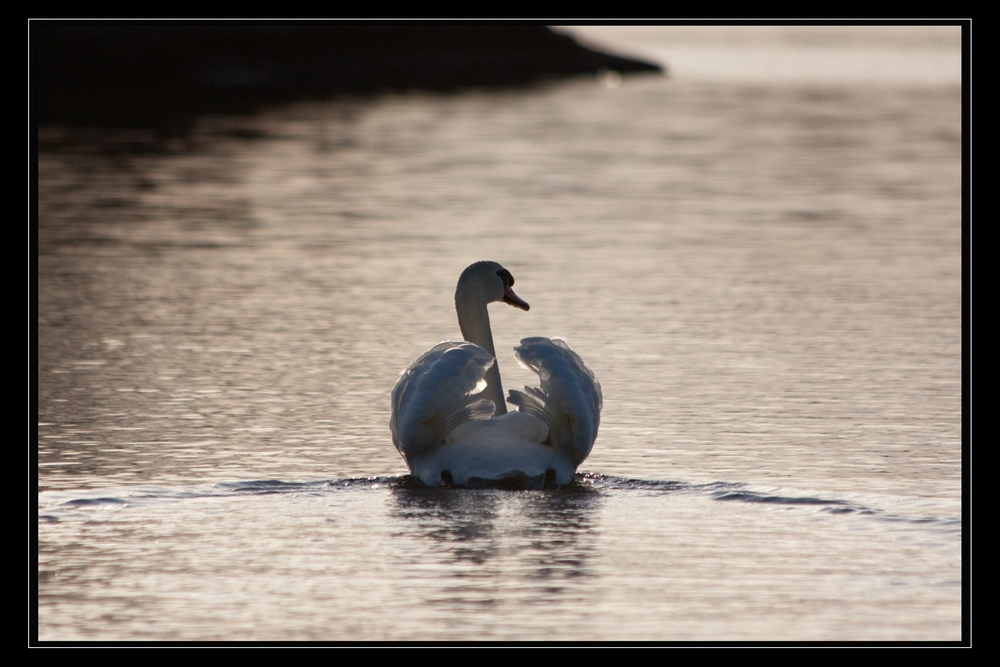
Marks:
<point>436,394</point>
<point>569,399</point>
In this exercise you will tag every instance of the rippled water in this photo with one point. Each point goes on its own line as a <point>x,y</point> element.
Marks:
<point>764,276</point>
<point>605,559</point>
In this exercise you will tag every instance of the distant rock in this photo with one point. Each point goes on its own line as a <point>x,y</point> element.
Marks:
<point>162,74</point>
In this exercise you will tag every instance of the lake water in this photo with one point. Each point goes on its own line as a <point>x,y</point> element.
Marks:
<point>759,258</point>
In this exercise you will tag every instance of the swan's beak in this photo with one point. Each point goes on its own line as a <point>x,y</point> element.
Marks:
<point>510,298</point>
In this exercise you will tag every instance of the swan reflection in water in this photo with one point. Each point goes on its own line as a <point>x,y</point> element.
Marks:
<point>551,536</point>
<point>449,420</point>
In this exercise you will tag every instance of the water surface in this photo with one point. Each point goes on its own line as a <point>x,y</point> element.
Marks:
<point>764,275</point>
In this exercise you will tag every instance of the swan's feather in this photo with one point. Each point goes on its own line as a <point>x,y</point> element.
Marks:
<point>569,400</point>
<point>436,394</point>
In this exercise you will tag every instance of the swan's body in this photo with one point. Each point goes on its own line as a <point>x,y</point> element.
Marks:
<point>449,420</point>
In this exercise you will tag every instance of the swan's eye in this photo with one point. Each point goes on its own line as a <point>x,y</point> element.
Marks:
<point>508,280</point>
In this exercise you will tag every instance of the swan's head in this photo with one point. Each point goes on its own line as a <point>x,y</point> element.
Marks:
<point>489,282</point>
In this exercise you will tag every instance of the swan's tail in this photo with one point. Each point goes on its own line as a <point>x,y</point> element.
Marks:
<point>569,400</point>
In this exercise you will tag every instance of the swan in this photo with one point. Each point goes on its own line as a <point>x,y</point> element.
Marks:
<point>449,420</point>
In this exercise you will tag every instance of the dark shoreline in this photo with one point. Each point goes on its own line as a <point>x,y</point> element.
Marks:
<point>163,74</point>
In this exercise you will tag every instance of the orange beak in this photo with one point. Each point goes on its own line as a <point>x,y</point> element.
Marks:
<point>513,299</point>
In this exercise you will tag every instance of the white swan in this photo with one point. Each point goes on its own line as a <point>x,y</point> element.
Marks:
<point>449,420</point>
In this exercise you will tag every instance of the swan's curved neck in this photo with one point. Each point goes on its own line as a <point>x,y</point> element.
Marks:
<point>474,321</point>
